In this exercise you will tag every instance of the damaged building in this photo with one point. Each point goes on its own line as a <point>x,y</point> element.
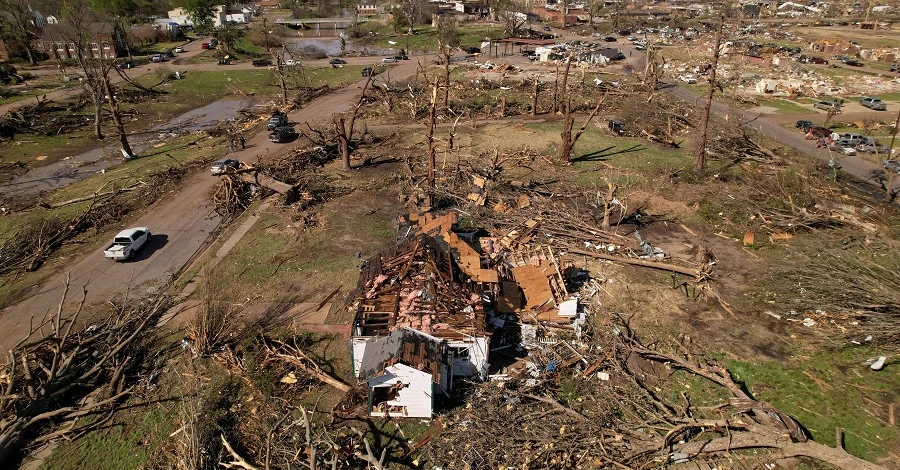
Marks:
<point>429,311</point>
<point>413,310</point>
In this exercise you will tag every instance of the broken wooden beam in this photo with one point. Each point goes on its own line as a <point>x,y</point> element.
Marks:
<point>640,262</point>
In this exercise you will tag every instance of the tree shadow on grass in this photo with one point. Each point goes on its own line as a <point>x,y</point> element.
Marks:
<point>606,153</point>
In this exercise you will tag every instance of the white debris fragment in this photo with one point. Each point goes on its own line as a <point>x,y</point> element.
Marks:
<point>808,322</point>
<point>877,365</point>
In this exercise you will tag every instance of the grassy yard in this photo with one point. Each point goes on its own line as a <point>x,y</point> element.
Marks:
<point>829,390</point>
<point>122,445</point>
<point>279,261</point>
<point>785,106</point>
<point>161,47</point>
<point>209,86</point>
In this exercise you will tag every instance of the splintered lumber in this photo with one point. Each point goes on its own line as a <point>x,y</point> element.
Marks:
<point>640,262</point>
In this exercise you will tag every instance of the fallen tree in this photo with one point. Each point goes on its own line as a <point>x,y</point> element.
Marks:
<point>63,372</point>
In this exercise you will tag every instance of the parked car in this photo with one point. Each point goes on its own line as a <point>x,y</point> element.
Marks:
<point>817,60</point>
<point>854,63</point>
<point>873,103</point>
<point>609,39</point>
<point>204,45</point>
<point>401,57</point>
<point>837,147</point>
<point>225,61</point>
<point>261,62</point>
<point>282,134</point>
<point>873,148</point>
<point>291,62</point>
<point>337,61</point>
<point>689,79</point>
<point>223,165</point>
<point>128,64</point>
<point>803,125</point>
<point>388,60</point>
<point>158,58</point>
<point>827,105</point>
<point>179,49</point>
<point>278,119</point>
<point>127,242</point>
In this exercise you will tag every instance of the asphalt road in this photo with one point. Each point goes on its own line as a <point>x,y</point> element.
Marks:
<point>181,225</point>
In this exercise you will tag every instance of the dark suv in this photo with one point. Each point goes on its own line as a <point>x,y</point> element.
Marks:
<point>282,134</point>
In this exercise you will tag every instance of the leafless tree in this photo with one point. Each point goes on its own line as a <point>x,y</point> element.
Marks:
<point>448,40</point>
<point>568,140</point>
<point>17,16</point>
<point>710,89</point>
<point>344,129</point>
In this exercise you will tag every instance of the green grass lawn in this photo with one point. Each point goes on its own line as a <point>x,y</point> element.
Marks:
<point>842,397</point>
<point>161,47</point>
<point>209,86</point>
<point>333,77</point>
<point>116,447</point>
<point>244,44</point>
<point>785,106</point>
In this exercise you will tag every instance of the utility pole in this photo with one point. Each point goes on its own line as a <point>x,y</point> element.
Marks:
<point>710,89</point>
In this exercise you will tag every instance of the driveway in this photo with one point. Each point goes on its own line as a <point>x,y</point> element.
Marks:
<point>181,227</point>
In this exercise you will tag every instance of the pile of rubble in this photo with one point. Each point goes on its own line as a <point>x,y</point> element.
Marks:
<point>442,304</point>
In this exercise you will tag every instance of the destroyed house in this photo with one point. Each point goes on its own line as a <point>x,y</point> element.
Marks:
<point>414,308</point>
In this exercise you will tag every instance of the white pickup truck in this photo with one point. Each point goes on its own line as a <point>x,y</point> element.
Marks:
<point>127,243</point>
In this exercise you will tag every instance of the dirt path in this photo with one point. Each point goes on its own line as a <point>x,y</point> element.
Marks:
<point>181,226</point>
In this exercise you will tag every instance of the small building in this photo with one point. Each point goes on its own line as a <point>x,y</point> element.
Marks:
<point>267,5</point>
<point>367,8</point>
<point>238,18</point>
<point>475,9</point>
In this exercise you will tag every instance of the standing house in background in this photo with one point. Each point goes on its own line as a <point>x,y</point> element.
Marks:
<point>103,41</point>
<point>181,16</point>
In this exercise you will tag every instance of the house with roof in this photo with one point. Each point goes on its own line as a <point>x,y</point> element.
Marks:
<point>56,41</point>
